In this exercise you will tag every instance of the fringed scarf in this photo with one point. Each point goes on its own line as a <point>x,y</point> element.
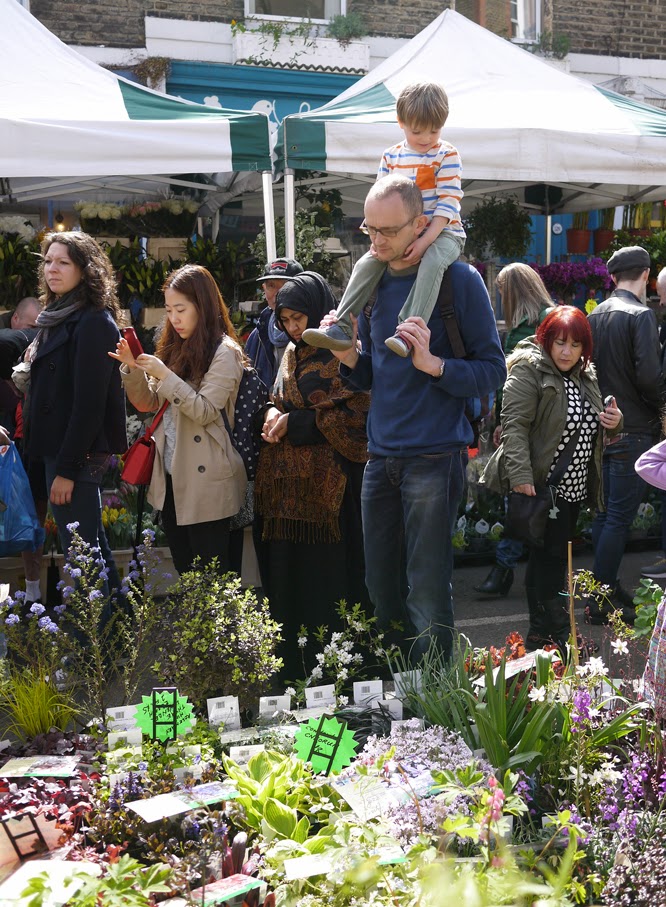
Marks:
<point>299,489</point>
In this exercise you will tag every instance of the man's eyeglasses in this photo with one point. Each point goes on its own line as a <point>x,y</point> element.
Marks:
<point>388,232</point>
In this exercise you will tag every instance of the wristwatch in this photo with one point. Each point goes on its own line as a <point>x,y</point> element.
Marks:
<point>441,369</point>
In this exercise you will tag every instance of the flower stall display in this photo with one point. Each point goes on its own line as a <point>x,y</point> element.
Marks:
<point>499,777</point>
<point>164,217</point>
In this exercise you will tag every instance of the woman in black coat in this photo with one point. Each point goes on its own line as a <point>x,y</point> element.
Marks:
<point>75,414</point>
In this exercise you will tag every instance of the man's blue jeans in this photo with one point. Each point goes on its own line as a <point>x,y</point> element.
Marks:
<point>623,492</point>
<point>409,507</point>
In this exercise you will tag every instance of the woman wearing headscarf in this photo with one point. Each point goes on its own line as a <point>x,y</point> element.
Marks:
<point>308,485</point>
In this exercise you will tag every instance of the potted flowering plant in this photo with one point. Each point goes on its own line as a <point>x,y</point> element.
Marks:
<point>578,237</point>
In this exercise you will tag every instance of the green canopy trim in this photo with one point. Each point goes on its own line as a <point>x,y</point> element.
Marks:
<point>248,133</point>
<point>302,137</point>
<point>648,120</point>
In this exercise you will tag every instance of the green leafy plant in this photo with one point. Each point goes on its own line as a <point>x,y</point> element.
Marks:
<point>279,796</point>
<point>552,44</point>
<point>228,265</point>
<point>499,226</point>
<point>125,883</point>
<point>309,244</point>
<point>647,598</point>
<point>347,28</point>
<point>581,220</point>
<point>19,261</point>
<point>513,729</point>
<point>32,705</point>
<point>443,695</point>
<point>145,278</point>
<point>215,638</point>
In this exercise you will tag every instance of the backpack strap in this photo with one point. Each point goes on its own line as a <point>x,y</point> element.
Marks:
<point>448,313</point>
<point>367,308</point>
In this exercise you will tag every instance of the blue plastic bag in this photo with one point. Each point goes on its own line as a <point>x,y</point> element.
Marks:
<point>20,530</point>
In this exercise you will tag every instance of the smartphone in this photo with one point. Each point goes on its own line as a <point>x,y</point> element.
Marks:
<point>608,400</point>
<point>132,341</point>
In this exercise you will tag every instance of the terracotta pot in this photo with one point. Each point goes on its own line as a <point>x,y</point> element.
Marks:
<point>602,239</point>
<point>578,241</point>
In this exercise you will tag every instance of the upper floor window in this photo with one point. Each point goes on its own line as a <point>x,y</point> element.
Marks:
<point>316,10</point>
<point>525,19</point>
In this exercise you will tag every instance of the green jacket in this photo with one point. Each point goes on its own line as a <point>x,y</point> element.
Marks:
<point>533,421</point>
<point>522,331</point>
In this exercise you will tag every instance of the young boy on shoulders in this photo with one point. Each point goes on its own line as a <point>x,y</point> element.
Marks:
<point>434,165</point>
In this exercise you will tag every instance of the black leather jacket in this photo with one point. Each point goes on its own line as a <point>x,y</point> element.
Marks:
<point>627,356</point>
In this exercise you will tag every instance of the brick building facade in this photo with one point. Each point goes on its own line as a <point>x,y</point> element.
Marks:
<point>627,28</point>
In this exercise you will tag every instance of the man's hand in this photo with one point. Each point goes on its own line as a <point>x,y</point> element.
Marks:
<point>497,436</point>
<point>415,252</point>
<point>417,334</point>
<point>61,490</point>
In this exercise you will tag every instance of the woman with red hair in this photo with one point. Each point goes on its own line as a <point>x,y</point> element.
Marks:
<point>552,413</point>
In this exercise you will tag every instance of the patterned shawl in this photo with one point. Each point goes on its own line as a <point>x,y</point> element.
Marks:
<point>299,488</point>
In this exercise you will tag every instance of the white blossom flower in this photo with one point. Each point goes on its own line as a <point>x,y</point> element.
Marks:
<point>290,691</point>
<point>538,694</point>
<point>620,647</point>
<point>343,700</point>
<point>597,666</point>
<point>302,641</point>
<point>316,673</point>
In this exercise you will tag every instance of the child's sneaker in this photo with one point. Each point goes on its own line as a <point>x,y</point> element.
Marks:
<point>399,345</point>
<point>330,338</point>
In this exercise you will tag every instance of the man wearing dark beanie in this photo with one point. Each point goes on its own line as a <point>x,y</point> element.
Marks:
<point>627,356</point>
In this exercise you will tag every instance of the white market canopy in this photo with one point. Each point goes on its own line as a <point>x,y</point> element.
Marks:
<point>65,120</point>
<point>515,119</point>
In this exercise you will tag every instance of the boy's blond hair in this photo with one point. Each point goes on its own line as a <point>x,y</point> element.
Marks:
<point>423,105</point>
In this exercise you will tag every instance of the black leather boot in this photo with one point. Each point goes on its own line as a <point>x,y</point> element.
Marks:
<point>498,581</point>
<point>537,633</point>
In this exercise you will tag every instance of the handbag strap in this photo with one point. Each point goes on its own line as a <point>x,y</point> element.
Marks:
<point>565,458</point>
<point>156,421</point>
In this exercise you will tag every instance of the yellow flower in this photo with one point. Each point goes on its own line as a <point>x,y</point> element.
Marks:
<point>105,518</point>
<point>591,305</point>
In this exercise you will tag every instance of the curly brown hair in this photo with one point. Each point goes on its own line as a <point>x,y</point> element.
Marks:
<point>99,279</point>
<point>190,358</point>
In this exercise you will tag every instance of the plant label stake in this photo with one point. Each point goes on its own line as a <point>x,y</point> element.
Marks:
<point>164,714</point>
<point>326,743</point>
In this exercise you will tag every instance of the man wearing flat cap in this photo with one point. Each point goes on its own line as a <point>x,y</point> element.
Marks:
<point>627,356</point>
<point>266,344</point>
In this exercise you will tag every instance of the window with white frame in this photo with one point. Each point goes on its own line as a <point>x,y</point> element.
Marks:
<point>315,10</point>
<point>525,20</point>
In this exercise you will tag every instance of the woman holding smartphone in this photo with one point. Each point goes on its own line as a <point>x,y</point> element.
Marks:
<point>198,479</point>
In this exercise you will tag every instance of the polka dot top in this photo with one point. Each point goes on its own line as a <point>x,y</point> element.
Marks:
<point>573,485</point>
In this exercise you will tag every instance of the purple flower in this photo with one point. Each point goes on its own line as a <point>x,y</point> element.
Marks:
<point>60,609</point>
<point>45,623</point>
<point>72,527</point>
<point>37,608</point>
<point>95,595</point>
<point>75,572</point>
<point>12,619</point>
<point>104,574</point>
<point>580,714</point>
<point>67,591</point>
<point>19,596</point>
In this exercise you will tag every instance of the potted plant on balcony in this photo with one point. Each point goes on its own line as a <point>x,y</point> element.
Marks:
<point>578,236</point>
<point>603,235</point>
